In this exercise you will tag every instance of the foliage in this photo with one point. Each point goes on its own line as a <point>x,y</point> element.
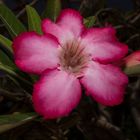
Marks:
<point>17,117</point>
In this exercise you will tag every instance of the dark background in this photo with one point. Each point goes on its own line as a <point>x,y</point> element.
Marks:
<point>124,5</point>
<point>89,121</point>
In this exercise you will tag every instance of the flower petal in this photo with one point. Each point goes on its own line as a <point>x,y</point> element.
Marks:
<point>105,83</point>
<point>103,45</point>
<point>61,33</point>
<point>35,53</point>
<point>72,20</point>
<point>56,94</point>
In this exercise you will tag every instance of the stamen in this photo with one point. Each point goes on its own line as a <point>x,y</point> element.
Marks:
<point>73,58</point>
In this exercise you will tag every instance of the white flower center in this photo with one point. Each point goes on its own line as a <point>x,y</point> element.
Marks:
<point>73,58</point>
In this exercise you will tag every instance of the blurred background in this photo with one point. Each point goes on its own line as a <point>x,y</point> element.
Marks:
<point>89,121</point>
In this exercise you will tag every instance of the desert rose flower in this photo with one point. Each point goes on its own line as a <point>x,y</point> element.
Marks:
<point>68,56</point>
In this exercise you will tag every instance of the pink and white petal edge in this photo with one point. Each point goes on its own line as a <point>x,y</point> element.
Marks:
<point>103,45</point>
<point>72,20</point>
<point>105,83</point>
<point>62,34</point>
<point>34,53</point>
<point>56,94</point>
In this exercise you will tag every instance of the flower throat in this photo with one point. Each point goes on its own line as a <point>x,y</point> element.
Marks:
<point>73,58</point>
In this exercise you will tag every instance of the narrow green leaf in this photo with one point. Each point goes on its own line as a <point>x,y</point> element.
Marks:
<point>133,70</point>
<point>13,25</point>
<point>6,52</point>
<point>89,21</point>
<point>52,9</point>
<point>12,72</point>
<point>6,43</point>
<point>4,59</point>
<point>34,21</point>
<point>8,122</point>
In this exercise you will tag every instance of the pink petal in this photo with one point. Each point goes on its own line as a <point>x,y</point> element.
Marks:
<point>35,53</point>
<point>105,83</point>
<point>61,33</point>
<point>56,94</point>
<point>103,45</point>
<point>72,20</point>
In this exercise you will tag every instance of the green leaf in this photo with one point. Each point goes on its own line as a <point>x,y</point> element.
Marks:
<point>8,122</point>
<point>34,21</point>
<point>89,21</point>
<point>6,52</point>
<point>4,59</point>
<point>52,9</point>
<point>133,70</point>
<point>12,72</point>
<point>13,25</point>
<point>6,43</point>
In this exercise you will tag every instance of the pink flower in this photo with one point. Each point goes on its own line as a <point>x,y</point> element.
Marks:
<point>67,56</point>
